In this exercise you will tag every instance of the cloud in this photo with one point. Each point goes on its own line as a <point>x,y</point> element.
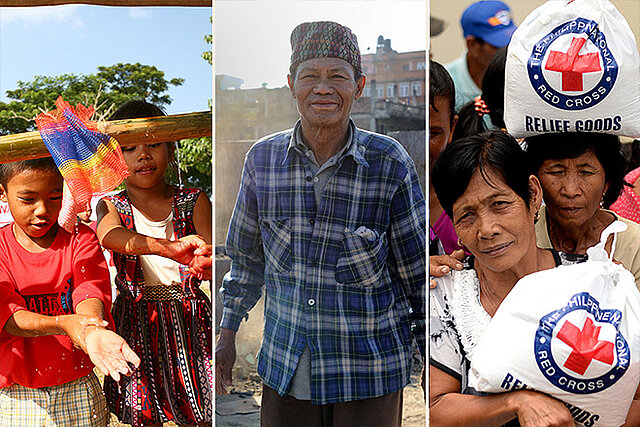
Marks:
<point>139,12</point>
<point>33,16</point>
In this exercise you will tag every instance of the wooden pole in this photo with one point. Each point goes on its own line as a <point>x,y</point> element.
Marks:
<point>29,145</point>
<point>127,3</point>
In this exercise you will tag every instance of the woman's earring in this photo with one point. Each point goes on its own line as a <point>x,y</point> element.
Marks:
<point>460,243</point>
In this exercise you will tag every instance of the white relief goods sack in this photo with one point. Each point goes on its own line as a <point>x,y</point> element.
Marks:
<point>572,332</point>
<point>573,66</point>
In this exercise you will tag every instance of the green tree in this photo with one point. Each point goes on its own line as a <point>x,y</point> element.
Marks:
<point>195,155</point>
<point>109,87</point>
<point>208,55</point>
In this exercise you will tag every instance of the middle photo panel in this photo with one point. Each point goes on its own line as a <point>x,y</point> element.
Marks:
<point>320,212</point>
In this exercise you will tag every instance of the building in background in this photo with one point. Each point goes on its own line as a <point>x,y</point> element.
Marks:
<point>394,96</point>
<point>250,114</point>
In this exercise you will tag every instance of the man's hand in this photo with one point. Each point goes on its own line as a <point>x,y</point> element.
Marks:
<point>110,352</point>
<point>74,326</point>
<point>225,358</point>
<point>535,409</point>
<point>440,265</point>
<point>200,265</point>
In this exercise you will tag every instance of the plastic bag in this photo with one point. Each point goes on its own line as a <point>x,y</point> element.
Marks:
<point>572,332</point>
<point>573,66</point>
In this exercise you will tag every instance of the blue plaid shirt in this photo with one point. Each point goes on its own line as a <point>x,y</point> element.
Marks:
<point>345,278</point>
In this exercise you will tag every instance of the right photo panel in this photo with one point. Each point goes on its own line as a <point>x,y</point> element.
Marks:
<point>534,203</point>
<point>320,213</point>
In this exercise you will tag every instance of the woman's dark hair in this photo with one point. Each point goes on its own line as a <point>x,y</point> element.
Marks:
<point>9,170</point>
<point>469,121</point>
<point>570,145</point>
<point>494,151</point>
<point>634,157</point>
<point>137,109</point>
<point>441,86</point>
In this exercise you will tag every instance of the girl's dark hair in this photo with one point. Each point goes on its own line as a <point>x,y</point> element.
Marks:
<point>9,170</point>
<point>137,109</point>
<point>469,121</point>
<point>570,145</point>
<point>441,86</point>
<point>496,151</point>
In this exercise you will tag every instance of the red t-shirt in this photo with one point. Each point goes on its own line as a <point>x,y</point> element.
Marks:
<point>52,283</point>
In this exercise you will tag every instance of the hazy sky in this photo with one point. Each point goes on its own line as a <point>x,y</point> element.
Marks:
<point>78,38</point>
<point>252,37</point>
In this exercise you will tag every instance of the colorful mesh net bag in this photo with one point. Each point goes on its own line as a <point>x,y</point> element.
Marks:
<point>90,162</point>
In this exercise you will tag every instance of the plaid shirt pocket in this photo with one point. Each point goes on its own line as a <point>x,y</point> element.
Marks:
<point>276,236</point>
<point>363,257</point>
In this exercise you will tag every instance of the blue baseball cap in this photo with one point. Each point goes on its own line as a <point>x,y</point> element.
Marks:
<point>491,21</point>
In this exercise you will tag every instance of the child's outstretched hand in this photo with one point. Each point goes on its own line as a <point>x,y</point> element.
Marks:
<point>110,352</point>
<point>200,265</point>
<point>183,249</point>
<point>74,325</point>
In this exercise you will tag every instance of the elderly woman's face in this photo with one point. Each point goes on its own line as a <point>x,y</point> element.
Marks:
<point>494,223</point>
<point>572,188</point>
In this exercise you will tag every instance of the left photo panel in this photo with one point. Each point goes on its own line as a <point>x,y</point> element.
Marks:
<point>106,213</point>
<point>320,212</point>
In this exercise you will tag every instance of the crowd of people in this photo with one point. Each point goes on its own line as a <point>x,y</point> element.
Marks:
<point>501,209</point>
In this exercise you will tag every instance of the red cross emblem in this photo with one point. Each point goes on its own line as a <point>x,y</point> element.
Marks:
<point>585,346</point>
<point>572,65</point>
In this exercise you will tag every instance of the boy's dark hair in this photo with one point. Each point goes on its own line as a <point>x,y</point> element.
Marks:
<point>9,170</point>
<point>569,145</point>
<point>441,86</point>
<point>496,151</point>
<point>137,109</point>
<point>469,121</point>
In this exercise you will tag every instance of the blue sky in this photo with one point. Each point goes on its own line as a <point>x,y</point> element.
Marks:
<point>78,38</point>
<point>252,37</point>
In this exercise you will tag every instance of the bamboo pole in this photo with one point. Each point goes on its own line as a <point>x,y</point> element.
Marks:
<point>128,3</point>
<point>29,145</point>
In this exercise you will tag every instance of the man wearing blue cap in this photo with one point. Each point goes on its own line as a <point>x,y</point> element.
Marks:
<point>487,26</point>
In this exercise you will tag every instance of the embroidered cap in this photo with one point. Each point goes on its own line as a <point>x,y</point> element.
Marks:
<point>324,39</point>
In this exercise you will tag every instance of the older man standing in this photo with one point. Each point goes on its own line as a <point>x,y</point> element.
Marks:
<point>331,218</point>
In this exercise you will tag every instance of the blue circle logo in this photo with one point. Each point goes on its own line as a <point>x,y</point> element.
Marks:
<point>571,67</point>
<point>579,347</point>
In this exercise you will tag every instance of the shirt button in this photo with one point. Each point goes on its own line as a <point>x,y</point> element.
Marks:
<point>312,221</point>
<point>311,301</point>
<point>315,179</point>
<point>308,178</point>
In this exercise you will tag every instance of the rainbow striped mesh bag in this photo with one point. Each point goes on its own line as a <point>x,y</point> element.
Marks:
<point>90,162</point>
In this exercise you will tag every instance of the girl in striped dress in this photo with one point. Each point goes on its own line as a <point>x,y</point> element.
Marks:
<point>155,230</point>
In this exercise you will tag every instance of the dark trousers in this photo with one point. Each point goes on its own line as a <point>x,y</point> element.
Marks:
<point>278,411</point>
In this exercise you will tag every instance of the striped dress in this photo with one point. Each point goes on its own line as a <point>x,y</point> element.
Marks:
<point>170,331</point>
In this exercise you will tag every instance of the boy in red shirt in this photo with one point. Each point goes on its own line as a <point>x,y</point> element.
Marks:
<point>55,302</point>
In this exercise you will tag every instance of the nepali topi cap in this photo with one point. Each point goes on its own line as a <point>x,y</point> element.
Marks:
<point>324,39</point>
